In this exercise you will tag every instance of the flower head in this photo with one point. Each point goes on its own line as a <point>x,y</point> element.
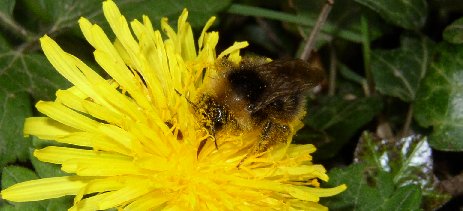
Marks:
<point>136,134</point>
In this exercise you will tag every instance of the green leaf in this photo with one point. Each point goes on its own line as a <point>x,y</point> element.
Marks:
<point>6,8</point>
<point>31,73</point>
<point>336,121</point>
<point>398,72</point>
<point>453,33</point>
<point>409,160</point>
<point>439,99</point>
<point>15,106</point>
<point>408,14</point>
<point>370,189</point>
<point>65,13</point>
<point>405,198</point>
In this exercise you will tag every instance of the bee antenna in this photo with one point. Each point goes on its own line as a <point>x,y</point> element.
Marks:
<point>316,29</point>
<point>188,100</point>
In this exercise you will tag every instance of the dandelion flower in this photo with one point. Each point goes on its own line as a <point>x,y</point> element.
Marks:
<point>136,135</point>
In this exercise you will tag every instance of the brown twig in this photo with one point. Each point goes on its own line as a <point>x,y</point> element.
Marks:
<point>453,185</point>
<point>316,29</point>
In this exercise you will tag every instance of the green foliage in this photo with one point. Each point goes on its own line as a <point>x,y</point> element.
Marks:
<point>409,14</point>
<point>371,190</point>
<point>391,71</point>
<point>398,72</point>
<point>332,124</point>
<point>453,33</point>
<point>16,106</point>
<point>439,99</point>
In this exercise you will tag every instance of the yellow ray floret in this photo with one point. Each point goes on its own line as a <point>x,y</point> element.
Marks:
<point>132,139</point>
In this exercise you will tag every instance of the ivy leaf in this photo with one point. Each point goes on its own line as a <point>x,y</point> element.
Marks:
<point>15,106</point>
<point>409,161</point>
<point>332,124</point>
<point>370,189</point>
<point>439,99</point>
<point>405,198</point>
<point>453,33</point>
<point>408,14</point>
<point>64,14</point>
<point>398,72</point>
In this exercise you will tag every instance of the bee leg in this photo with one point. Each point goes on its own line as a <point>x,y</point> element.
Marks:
<point>272,133</point>
<point>203,142</point>
<point>200,147</point>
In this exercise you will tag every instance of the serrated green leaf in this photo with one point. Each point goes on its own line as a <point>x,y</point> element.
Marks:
<point>439,99</point>
<point>15,106</point>
<point>409,160</point>
<point>339,120</point>
<point>398,72</point>
<point>31,73</point>
<point>453,33</point>
<point>408,14</point>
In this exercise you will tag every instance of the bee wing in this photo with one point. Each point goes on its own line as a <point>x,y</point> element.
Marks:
<point>286,78</point>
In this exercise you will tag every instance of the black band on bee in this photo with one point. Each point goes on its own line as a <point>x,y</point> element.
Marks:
<point>248,84</point>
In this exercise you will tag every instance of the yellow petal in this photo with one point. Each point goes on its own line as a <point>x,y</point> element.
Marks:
<point>46,128</point>
<point>46,188</point>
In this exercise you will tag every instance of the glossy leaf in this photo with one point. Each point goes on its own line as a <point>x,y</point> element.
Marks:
<point>408,14</point>
<point>398,72</point>
<point>409,160</point>
<point>439,101</point>
<point>453,33</point>
<point>370,189</point>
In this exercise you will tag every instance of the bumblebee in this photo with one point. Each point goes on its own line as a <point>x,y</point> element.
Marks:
<point>257,95</point>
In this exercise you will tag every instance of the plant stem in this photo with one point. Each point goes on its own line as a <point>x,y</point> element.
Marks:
<point>333,66</point>
<point>246,10</point>
<point>367,55</point>
<point>408,121</point>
